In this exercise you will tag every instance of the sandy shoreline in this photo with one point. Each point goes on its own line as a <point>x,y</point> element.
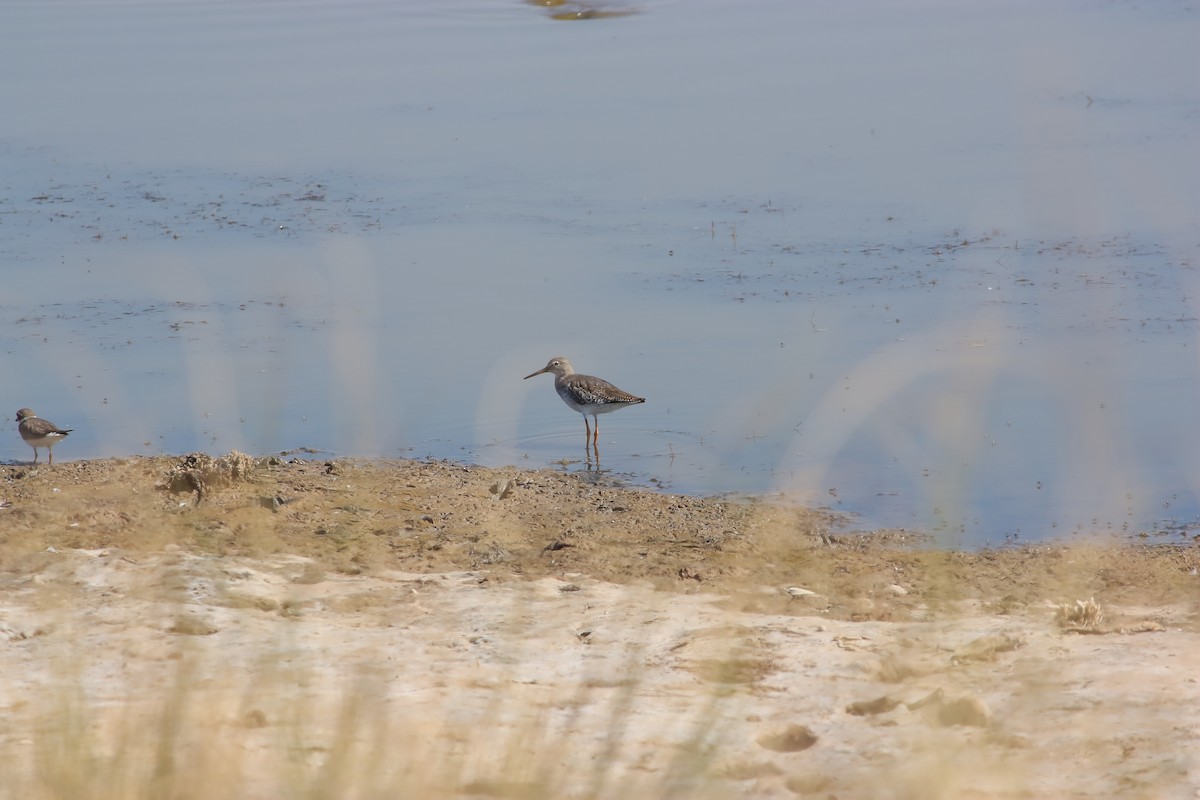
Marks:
<point>360,628</point>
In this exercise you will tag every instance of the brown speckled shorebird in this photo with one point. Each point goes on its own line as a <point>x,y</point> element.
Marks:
<point>38,432</point>
<point>586,394</point>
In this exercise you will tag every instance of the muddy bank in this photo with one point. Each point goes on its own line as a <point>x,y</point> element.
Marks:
<point>354,517</point>
<point>359,628</point>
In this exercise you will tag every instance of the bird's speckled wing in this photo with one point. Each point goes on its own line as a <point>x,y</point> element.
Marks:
<point>587,390</point>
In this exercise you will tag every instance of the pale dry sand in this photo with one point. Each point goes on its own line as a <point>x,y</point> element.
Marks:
<point>435,630</point>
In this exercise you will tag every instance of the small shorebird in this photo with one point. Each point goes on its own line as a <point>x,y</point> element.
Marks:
<point>586,394</point>
<point>38,432</point>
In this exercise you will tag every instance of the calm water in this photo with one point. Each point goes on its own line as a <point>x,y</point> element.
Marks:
<point>932,264</point>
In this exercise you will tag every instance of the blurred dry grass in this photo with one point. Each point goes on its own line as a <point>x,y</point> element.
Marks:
<point>182,718</point>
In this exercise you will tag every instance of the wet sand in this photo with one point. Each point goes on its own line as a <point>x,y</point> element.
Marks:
<point>360,628</point>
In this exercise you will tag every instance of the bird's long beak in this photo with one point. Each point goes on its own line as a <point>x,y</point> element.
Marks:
<point>539,372</point>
